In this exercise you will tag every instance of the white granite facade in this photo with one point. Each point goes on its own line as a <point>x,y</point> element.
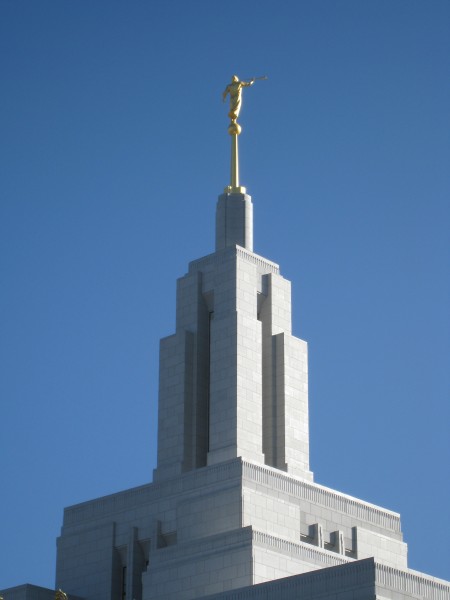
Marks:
<point>361,580</point>
<point>233,505</point>
<point>221,528</point>
<point>233,379</point>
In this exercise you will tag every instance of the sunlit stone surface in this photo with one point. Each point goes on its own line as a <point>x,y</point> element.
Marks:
<point>233,503</point>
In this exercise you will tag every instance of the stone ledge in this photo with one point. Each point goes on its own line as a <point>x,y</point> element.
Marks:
<point>358,579</point>
<point>313,492</point>
<point>413,583</point>
<point>207,476</point>
<point>222,255</point>
<point>300,550</point>
<point>323,583</point>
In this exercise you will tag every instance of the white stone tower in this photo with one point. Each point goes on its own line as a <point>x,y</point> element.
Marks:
<point>233,379</point>
<point>233,422</point>
<point>233,505</point>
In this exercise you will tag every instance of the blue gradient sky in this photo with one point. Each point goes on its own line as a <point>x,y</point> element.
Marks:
<point>113,151</point>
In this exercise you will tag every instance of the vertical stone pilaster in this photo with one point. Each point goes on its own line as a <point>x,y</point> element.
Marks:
<point>175,403</point>
<point>294,364</point>
<point>135,566</point>
<point>235,399</point>
<point>285,392</point>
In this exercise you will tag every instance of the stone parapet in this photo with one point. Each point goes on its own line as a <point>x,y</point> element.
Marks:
<point>220,256</point>
<point>320,495</point>
<point>300,551</point>
<point>359,580</point>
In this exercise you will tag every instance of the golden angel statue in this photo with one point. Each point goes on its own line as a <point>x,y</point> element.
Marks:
<point>234,89</point>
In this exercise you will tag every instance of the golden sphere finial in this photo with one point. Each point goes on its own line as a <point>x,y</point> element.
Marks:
<point>234,128</point>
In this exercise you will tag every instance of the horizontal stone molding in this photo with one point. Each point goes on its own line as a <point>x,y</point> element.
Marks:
<point>323,583</point>
<point>267,265</point>
<point>106,506</point>
<point>357,575</point>
<point>317,494</point>
<point>416,584</point>
<point>277,480</point>
<point>299,551</point>
<point>185,552</point>
<point>223,255</point>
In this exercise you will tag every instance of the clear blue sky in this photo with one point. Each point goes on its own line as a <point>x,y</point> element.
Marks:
<point>113,151</point>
